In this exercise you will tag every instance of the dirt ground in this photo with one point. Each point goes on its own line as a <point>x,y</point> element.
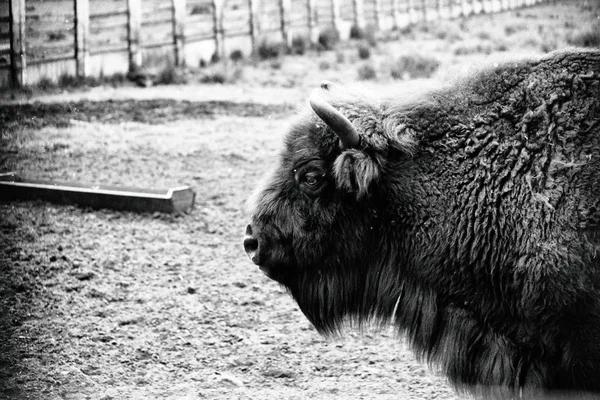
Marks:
<point>100,304</point>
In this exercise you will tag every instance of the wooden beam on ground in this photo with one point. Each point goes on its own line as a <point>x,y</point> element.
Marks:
<point>173,200</point>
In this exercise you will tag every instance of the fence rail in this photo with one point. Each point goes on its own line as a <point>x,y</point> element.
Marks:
<point>46,39</point>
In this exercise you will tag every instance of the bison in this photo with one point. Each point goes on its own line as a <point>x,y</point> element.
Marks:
<point>468,216</point>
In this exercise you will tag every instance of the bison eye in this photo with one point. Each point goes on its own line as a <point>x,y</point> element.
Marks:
<point>311,181</point>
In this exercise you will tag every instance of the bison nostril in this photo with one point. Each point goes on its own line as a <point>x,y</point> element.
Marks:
<point>250,245</point>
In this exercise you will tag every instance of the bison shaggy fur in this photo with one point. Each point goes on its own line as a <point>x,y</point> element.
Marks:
<point>467,216</point>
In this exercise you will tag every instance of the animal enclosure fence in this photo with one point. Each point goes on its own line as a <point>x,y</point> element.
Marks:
<point>47,39</point>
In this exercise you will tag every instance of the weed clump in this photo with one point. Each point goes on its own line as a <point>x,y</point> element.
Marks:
<point>329,38</point>
<point>366,72</point>
<point>414,66</point>
<point>587,38</point>
<point>299,45</point>
<point>236,56</point>
<point>268,50</point>
<point>366,34</point>
<point>172,75</point>
<point>364,51</point>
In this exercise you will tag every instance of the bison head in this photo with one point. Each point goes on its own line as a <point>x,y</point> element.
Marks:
<point>321,223</point>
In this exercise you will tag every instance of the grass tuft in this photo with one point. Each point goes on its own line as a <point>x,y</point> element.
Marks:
<point>366,72</point>
<point>329,38</point>
<point>589,37</point>
<point>414,66</point>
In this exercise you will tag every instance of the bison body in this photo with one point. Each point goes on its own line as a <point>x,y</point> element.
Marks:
<point>468,216</point>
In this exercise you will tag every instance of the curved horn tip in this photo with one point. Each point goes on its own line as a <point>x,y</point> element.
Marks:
<point>326,85</point>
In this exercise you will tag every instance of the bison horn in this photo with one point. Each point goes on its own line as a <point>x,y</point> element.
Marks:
<point>334,119</point>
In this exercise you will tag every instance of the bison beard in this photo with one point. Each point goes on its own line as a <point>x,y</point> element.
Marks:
<point>469,217</point>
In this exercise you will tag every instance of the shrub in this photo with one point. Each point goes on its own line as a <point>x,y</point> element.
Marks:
<point>267,49</point>
<point>414,66</point>
<point>356,32</point>
<point>172,75</point>
<point>213,77</point>
<point>236,55</point>
<point>324,65</point>
<point>587,38</point>
<point>276,64</point>
<point>45,83</point>
<point>299,45</point>
<point>364,51</point>
<point>329,38</point>
<point>67,80</point>
<point>340,57</point>
<point>366,72</point>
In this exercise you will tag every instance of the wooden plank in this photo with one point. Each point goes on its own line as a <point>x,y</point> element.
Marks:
<point>134,36</point>
<point>179,30</point>
<point>108,13</point>
<point>173,200</point>
<point>82,34</point>
<point>18,60</point>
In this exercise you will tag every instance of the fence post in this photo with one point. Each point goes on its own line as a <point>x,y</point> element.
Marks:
<point>218,28</point>
<point>134,12</point>
<point>82,34</point>
<point>179,31</point>
<point>378,18</point>
<point>412,14</point>
<point>284,15</point>
<point>311,5</point>
<point>359,13</point>
<point>254,23</point>
<point>18,62</point>
<point>424,9</point>
<point>396,13</point>
<point>336,13</point>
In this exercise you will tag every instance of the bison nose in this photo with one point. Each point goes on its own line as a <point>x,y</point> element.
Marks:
<point>252,246</point>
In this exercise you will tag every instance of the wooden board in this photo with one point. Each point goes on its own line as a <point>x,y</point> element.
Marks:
<point>236,17</point>
<point>173,200</point>
<point>50,29</point>
<point>199,20</point>
<point>108,25</point>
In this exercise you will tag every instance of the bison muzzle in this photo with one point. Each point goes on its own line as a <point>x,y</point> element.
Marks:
<point>467,216</point>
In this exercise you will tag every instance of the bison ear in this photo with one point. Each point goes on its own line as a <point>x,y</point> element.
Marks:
<point>354,171</point>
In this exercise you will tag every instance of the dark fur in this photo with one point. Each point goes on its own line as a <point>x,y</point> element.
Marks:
<point>474,209</point>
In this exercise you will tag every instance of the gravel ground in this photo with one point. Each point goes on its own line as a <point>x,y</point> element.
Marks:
<point>102,304</point>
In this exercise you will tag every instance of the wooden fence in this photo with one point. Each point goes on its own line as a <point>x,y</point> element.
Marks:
<point>47,39</point>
